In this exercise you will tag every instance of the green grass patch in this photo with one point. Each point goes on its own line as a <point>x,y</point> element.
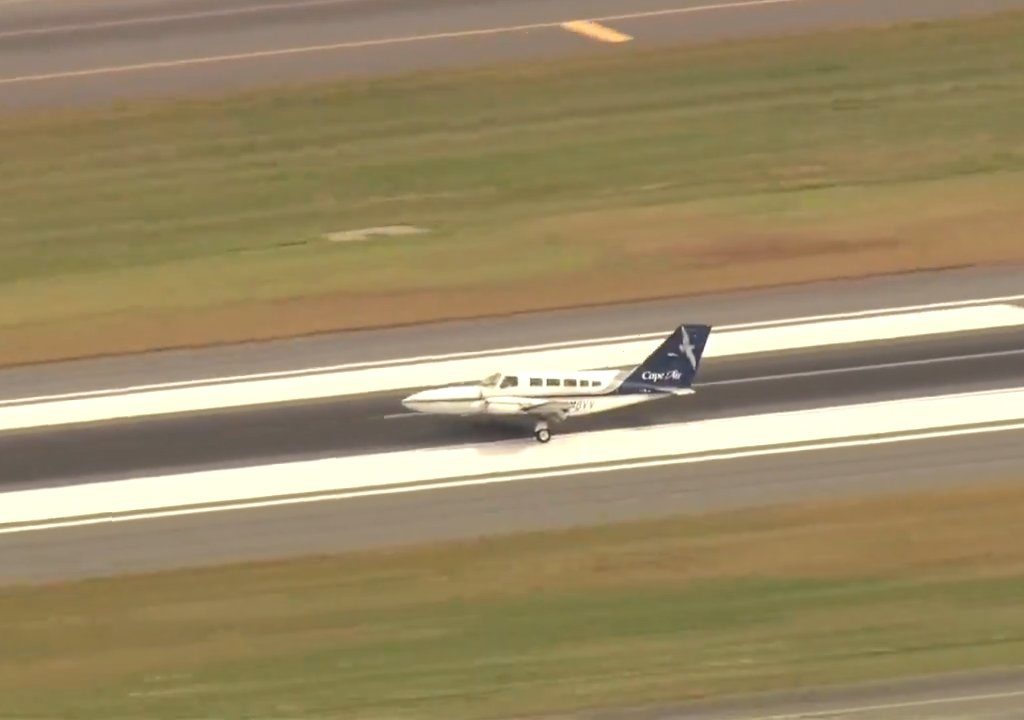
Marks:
<point>614,177</point>
<point>656,611</point>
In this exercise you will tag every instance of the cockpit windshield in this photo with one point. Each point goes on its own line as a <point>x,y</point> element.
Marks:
<point>491,380</point>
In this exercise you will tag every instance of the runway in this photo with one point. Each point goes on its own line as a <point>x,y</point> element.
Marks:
<point>357,425</point>
<point>541,504</point>
<point>377,423</point>
<point>66,54</point>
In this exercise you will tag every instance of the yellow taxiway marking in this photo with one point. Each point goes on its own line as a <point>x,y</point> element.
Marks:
<point>730,5</point>
<point>596,31</point>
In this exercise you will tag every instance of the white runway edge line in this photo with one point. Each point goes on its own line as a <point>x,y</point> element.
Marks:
<point>527,349</point>
<point>386,41</point>
<point>436,468</point>
<point>845,711</point>
<point>359,379</point>
<point>507,351</point>
<point>161,19</point>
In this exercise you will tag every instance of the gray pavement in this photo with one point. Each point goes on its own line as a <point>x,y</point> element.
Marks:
<point>466,512</point>
<point>987,695</point>
<point>61,54</point>
<point>488,334</point>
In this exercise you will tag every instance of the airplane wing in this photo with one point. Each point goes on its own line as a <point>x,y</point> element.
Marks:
<point>549,409</point>
<point>542,407</point>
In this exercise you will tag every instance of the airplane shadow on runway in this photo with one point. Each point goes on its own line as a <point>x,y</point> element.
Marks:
<point>497,436</point>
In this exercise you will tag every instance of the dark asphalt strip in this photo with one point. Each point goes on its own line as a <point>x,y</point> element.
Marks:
<point>376,423</point>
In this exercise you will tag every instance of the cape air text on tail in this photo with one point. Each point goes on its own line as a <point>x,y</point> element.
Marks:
<point>550,396</point>
<point>673,366</point>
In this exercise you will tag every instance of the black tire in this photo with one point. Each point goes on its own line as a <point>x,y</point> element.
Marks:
<point>543,435</point>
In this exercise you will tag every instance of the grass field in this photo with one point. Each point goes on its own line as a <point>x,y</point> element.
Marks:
<point>621,176</point>
<point>653,611</point>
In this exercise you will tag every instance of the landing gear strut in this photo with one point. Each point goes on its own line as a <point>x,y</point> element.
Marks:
<point>541,432</point>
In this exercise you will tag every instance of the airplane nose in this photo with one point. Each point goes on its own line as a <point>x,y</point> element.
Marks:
<point>442,400</point>
<point>411,402</point>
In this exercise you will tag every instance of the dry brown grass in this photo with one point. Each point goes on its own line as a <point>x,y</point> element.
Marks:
<point>649,252</point>
<point>648,611</point>
<point>622,177</point>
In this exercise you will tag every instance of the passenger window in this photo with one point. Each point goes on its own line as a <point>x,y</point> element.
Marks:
<point>535,382</point>
<point>553,382</point>
<point>510,381</point>
<point>584,383</point>
<point>570,383</point>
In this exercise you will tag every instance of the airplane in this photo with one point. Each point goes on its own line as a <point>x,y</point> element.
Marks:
<point>552,396</point>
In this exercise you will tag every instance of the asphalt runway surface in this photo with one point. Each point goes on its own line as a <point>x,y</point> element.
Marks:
<point>68,53</point>
<point>356,425</point>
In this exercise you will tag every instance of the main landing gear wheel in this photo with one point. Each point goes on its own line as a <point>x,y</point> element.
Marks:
<point>542,433</point>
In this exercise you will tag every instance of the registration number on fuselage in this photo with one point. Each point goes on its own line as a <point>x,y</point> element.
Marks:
<point>580,405</point>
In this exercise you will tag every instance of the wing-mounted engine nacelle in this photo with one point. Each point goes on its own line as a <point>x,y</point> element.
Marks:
<point>504,405</point>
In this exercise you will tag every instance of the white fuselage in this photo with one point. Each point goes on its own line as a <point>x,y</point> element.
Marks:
<point>528,393</point>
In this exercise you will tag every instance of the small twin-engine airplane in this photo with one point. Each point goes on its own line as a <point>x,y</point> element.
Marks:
<point>553,396</point>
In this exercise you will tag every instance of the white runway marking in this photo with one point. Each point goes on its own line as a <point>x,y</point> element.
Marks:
<point>455,484</point>
<point>700,441</point>
<point>506,351</point>
<point>863,368</point>
<point>886,707</point>
<point>156,20</point>
<point>362,378</point>
<point>356,44</point>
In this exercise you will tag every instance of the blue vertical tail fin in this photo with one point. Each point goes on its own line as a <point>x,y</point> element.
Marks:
<point>673,366</point>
